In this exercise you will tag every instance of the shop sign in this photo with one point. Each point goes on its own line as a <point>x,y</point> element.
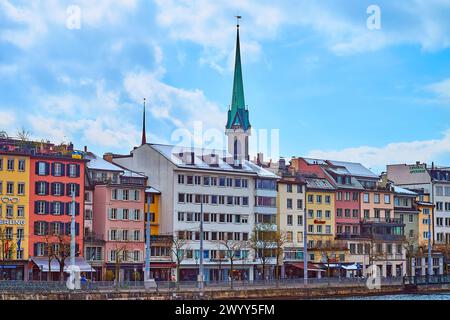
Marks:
<point>12,222</point>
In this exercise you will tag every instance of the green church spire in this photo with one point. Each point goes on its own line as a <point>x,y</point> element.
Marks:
<point>238,114</point>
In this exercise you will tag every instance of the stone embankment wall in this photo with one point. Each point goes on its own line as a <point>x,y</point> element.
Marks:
<point>281,293</point>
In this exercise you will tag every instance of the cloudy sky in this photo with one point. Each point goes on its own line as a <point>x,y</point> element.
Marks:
<point>312,69</point>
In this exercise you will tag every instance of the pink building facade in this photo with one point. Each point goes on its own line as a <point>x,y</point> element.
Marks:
<point>119,214</point>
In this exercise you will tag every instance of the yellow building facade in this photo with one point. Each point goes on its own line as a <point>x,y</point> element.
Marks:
<point>321,231</point>
<point>425,208</point>
<point>154,198</point>
<point>14,207</point>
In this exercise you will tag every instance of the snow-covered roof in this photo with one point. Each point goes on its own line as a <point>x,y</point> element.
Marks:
<point>152,190</point>
<point>201,156</point>
<point>98,163</point>
<point>355,169</point>
<point>404,191</point>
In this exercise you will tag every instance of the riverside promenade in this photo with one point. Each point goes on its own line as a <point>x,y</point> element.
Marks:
<point>282,289</point>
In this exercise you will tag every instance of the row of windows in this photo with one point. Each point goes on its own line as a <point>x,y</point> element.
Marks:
<point>125,214</point>
<point>43,228</point>
<point>213,235</point>
<point>290,237</point>
<point>347,230</point>
<point>212,199</point>
<point>11,190</point>
<point>319,214</point>
<point>57,169</point>
<point>290,188</point>
<point>9,211</point>
<point>347,213</point>
<point>214,254</point>
<point>443,191</point>
<point>41,248</point>
<point>125,255</point>
<point>290,220</point>
<point>377,213</point>
<point>44,188</point>
<point>442,206</point>
<point>378,248</point>
<point>125,195</point>
<point>440,237</point>
<point>212,181</point>
<point>55,208</point>
<point>212,217</point>
<point>319,199</point>
<point>11,164</point>
<point>9,233</point>
<point>319,229</point>
<point>348,196</point>
<point>290,206</point>
<point>124,235</point>
<point>376,198</point>
<point>440,222</point>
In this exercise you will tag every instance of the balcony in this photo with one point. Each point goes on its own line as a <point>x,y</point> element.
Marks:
<point>93,237</point>
<point>385,237</point>
<point>348,236</point>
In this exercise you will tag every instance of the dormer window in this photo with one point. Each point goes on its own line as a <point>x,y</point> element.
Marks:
<point>347,180</point>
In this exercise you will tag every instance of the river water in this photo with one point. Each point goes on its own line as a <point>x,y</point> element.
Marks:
<point>433,296</point>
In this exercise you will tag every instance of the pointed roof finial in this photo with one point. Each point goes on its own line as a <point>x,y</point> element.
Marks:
<point>237,19</point>
<point>144,137</point>
<point>238,114</point>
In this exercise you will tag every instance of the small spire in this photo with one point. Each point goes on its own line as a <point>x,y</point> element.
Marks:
<point>144,138</point>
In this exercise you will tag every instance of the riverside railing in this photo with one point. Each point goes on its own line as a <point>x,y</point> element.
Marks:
<point>109,286</point>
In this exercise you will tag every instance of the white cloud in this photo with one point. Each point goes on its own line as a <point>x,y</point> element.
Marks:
<point>181,107</point>
<point>7,120</point>
<point>32,21</point>
<point>396,152</point>
<point>441,90</point>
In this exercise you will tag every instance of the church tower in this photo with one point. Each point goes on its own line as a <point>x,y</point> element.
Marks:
<point>238,128</point>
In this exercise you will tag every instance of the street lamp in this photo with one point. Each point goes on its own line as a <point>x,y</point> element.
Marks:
<point>201,271</point>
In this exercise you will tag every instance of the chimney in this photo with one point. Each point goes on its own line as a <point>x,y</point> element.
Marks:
<point>108,157</point>
<point>85,149</point>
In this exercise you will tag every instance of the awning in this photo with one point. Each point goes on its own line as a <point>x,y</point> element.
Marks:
<point>311,267</point>
<point>42,263</point>
<point>354,266</point>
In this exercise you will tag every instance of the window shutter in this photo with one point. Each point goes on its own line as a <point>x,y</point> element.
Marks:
<point>68,190</point>
<point>35,249</point>
<point>47,209</point>
<point>119,194</point>
<point>77,229</point>
<point>52,208</point>
<point>36,188</point>
<point>36,167</point>
<point>45,228</point>
<point>61,206</point>
<point>36,228</point>
<point>52,188</point>
<point>77,190</point>
<point>67,229</point>
<point>119,214</point>
<point>78,170</point>
<point>67,208</point>
<point>77,209</point>
<point>47,168</point>
<point>53,169</point>
<point>47,187</point>
<point>36,206</point>
<point>63,169</point>
<point>109,213</point>
<point>62,188</point>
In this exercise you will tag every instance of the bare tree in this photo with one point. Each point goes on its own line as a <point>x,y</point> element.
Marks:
<point>330,254</point>
<point>233,253</point>
<point>7,247</point>
<point>279,239</point>
<point>262,243</point>
<point>410,244</point>
<point>61,251</point>
<point>23,134</point>
<point>178,245</point>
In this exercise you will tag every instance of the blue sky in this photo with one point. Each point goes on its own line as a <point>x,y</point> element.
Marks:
<point>312,69</point>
